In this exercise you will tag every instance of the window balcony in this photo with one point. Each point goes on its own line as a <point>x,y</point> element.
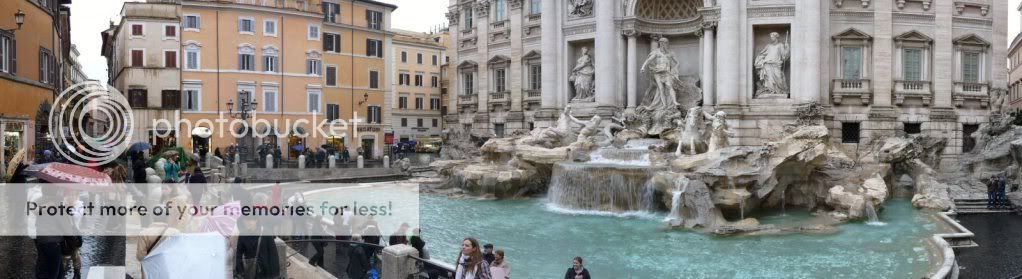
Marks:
<point>533,95</point>
<point>468,100</point>
<point>965,91</point>
<point>911,89</point>
<point>503,24</point>
<point>851,88</point>
<point>500,98</point>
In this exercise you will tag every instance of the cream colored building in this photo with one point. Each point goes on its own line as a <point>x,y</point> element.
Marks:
<point>415,85</point>
<point>144,58</point>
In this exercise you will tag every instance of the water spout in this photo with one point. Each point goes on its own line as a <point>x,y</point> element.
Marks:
<point>871,213</point>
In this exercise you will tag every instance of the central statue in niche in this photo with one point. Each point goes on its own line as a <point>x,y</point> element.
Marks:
<point>663,70</point>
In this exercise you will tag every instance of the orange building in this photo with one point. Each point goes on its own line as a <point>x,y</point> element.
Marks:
<point>31,57</point>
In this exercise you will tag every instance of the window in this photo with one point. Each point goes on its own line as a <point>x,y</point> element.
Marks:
<point>968,140</point>
<point>403,79</point>
<point>331,76</point>
<point>330,11</point>
<point>913,128</point>
<point>402,102</point>
<point>47,67</point>
<point>850,132</point>
<point>418,80</point>
<point>8,53</point>
<point>418,122</point>
<point>314,101</point>
<point>333,112</point>
<point>138,58</point>
<point>375,19</point>
<point>912,64</point>
<point>404,57</point>
<point>270,28</point>
<point>468,84</point>
<point>313,33</point>
<point>190,100</point>
<point>245,26</point>
<point>374,115</point>
<point>851,63</point>
<point>270,100</point>
<point>245,94</point>
<point>535,7</point>
<point>435,124</point>
<point>374,48</point>
<point>271,63</point>
<point>170,99</point>
<point>500,76</point>
<point>435,60</point>
<point>374,79</point>
<point>468,18</point>
<point>331,42</point>
<point>313,67</point>
<point>137,30</point>
<point>435,81</point>
<point>246,62</point>
<point>498,129</point>
<point>970,66</point>
<point>170,59</point>
<point>169,31</point>
<point>418,103</point>
<point>434,103</point>
<point>418,58</point>
<point>535,77</point>
<point>404,122</point>
<point>192,57</point>
<point>192,23</point>
<point>500,10</point>
<point>138,98</point>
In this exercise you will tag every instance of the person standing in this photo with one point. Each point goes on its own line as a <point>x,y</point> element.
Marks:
<point>358,260</point>
<point>346,155</point>
<point>256,254</point>
<point>470,264</point>
<point>991,192</point>
<point>1002,196</point>
<point>577,271</point>
<point>399,236</point>
<point>49,255</point>
<point>500,269</point>
<point>488,253</point>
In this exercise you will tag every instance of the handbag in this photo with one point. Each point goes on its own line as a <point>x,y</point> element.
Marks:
<point>70,243</point>
<point>252,265</point>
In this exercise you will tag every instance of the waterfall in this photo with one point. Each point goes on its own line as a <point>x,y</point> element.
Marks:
<point>783,211</point>
<point>871,213</point>
<point>603,187</point>
<point>680,186</point>
<point>741,201</point>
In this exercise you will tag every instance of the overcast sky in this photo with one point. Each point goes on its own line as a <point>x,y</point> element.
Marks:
<point>88,18</point>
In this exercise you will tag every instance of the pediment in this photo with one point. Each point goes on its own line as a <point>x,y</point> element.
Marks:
<point>913,36</point>
<point>971,40</point>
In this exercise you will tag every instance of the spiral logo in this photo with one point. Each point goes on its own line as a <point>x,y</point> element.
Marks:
<point>89,124</point>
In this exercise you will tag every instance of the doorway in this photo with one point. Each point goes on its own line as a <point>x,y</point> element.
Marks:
<point>367,148</point>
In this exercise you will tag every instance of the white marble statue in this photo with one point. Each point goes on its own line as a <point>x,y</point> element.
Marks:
<point>719,132</point>
<point>589,128</point>
<point>663,70</point>
<point>770,67</point>
<point>692,141</point>
<point>582,77</point>
<point>580,8</point>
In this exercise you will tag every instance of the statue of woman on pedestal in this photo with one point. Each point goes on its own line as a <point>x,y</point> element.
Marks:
<point>770,67</point>
<point>582,77</point>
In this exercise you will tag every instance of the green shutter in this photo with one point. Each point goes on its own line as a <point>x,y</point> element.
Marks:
<point>970,67</point>
<point>851,61</point>
<point>912,64</point>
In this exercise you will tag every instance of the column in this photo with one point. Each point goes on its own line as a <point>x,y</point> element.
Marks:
<point>620,100</point>
<point>550,43</point>
<point>884,60</point>
<point>943,53</point>
<point>728,68</point>
<point>809,17</point>
<point>708,63</point>
<point>606,81</point>
<point>633,71</point>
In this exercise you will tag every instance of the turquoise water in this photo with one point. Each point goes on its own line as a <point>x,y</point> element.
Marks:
<point>540,243</point>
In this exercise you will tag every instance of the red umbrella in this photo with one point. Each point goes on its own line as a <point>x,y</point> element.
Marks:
<point>75,177</point>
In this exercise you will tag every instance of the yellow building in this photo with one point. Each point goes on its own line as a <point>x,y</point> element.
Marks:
<point>417,80</point>
<point>31,57</point>
<point>356,47</point>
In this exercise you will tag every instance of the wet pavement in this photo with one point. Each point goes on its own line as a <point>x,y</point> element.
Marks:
<point>999,254</point>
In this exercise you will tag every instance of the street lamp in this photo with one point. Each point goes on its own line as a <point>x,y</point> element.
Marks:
<point>244,106</point>
<point>19,18</point>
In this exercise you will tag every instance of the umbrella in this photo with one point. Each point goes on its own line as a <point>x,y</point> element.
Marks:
<point>299,147</point>
<point>187,256</point>
<point>140,146</point>
<point>223,219</point>
<point>83,178</point>
<point>12,166</point>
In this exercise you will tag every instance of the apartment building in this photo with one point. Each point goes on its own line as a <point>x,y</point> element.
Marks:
<point>417,76</point>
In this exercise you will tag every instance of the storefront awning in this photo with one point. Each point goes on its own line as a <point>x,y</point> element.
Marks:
<point>202,132</point>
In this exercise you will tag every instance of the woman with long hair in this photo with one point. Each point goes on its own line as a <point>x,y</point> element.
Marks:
<point>577,271</point>
<point>470,264</point>
<point>500,269</point>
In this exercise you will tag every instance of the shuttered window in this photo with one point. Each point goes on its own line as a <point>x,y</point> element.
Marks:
<point>170,99</point>
<point>970,67</point>
<point>851,62</point>
<point>912,64</point>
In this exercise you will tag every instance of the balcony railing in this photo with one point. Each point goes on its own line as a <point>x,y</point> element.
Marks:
<point>500,24</point>
<point>851,88</point>
<point>498,96</point>
<point>912,89</point>
<point>468,99</point>
<point>971,91</point>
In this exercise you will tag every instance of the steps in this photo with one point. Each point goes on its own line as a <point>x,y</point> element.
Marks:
<point>979,206</point>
